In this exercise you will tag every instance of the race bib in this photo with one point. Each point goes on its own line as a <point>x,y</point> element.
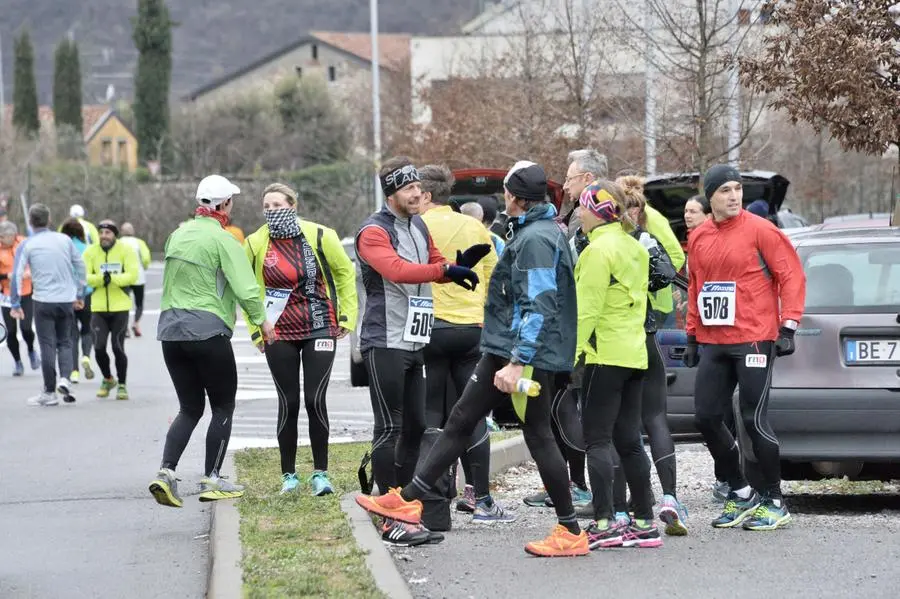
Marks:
<point>324,345</point>
<point>112,268</point>
<point>419,320</point>
<point>276,300</point>
<point>716,303</point>
<point>5,301</point>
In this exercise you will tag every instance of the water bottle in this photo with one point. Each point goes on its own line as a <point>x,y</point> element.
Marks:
<point>528,387</point>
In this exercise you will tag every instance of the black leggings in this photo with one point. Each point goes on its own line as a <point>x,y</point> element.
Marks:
<point>199,367</point>
<point>284,358</point>
<point>749,367</point>
<point>12,325</point>
<point>82,331</point>
<point>567,429</point>
<point>111,325</point>
<point>450,359</point>
<point>612,417</point>
<point>478,399</point>
<point>397,391</point>
<point>656,425</point>
<point>138,301</point>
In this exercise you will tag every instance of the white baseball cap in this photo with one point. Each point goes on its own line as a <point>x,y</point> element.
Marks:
<point>215,189</point>
<point>76,211</point>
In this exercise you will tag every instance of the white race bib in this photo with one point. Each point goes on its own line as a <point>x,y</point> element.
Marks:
<point>112,268</point>
<point>276,301</point>
<point>717,302</point>
<point>5,301</point>
<point>419,320</point>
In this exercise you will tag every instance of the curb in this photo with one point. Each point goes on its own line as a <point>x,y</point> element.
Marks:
<point>504,455</point>
<point>378,559</point>
<point>225,573</point>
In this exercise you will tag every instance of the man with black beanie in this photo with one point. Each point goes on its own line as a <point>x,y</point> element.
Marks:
<point>745,300</point>
<point>529,333</point>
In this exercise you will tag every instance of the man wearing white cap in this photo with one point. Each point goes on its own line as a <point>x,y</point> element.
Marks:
<point>206,275</point>
<point>92,237</point>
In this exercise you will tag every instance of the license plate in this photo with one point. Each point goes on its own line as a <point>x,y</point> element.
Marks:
<point>872,351</point>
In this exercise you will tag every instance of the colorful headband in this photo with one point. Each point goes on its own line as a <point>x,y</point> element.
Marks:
<point>399,178</point>
<point>600,203</point>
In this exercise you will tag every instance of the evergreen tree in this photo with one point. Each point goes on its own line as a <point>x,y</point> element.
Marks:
<point>67,86</point>
<point>152,34</point>
<point>25,101</point>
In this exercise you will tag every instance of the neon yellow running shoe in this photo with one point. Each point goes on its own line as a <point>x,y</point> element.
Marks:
<point>106,385</point>
<point>164,488</point>
<point>214,488</point>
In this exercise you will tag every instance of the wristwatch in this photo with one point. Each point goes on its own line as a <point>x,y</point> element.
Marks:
<point>790,324</point>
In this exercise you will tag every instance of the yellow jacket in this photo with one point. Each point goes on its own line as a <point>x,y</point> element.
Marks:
<point>452,231</point>
<point>122,264</point>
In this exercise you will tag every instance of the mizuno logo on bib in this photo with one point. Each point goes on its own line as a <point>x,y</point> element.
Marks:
<point>717,302</point>
<point>419,320</point>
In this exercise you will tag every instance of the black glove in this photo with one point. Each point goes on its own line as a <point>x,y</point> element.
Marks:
<point>3,277</point>
<point>784,346</point>
<point>462,276</point>
<point>691,353</point>
<point>473,255</point>
<point>107,279</point>
<point>581,241</point>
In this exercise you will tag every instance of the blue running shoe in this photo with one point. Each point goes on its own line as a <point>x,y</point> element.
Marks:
<point>770,515</point>
<point>623,519</point>
<point>674,514</point>
<point>289,482</point>
<point>320,484</point>
<point>720,491</point>
<point>491,514</point>
<point>737,510</point>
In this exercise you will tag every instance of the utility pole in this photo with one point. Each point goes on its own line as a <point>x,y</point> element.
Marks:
<point>2,96</point>
<point>376,101</point>
<point>649,93</point>
<point>734,91</point>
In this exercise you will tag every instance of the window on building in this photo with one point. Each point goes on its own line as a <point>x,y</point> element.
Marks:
<point>315,52</point>
<point>106,152</point>
<point>122,152</point>
<point>332,73</point>
<point>299,71</point>
<point>744,16</point>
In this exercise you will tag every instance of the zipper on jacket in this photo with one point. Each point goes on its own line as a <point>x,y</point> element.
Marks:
<point>106,252</point>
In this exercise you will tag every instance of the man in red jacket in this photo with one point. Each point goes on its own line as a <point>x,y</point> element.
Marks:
<point>746,297</point>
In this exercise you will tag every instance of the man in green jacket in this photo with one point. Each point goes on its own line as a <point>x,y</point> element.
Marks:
<point>206,276</point>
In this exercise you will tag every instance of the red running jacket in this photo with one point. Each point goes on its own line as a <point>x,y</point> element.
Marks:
<point>745,280</point>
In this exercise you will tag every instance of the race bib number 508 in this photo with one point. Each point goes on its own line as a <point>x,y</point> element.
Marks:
<point>716,303</point>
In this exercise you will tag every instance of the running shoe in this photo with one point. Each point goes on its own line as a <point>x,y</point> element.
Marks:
<point>18,368</point>
<point>560,543</point>
<point>86,366</point>
<point>44,399</point>
<point>433,537</point>
<point>674,514</point>
<point>106,385</point>
<point>643,534</point>
<point>35,360</point>
<point>581,497</point>
<point>64,388</point>
<point>392,506</point>
<point>320,484</point>
<point>538,500</point>
<point>491,514</point>
<point>214,488</point>
<point>73,378</point>
<point>164,488</point>
<point>121,392</point>
<point>720,491</point>
<point>623,519</point>
<point>466,503</point>
<point>402,534</point>
<point>491,425</point>
<point>136,329</point>
<point>289,482</point>
<point>769,515</point>
<point>603,534</point>
<point>737,510</point>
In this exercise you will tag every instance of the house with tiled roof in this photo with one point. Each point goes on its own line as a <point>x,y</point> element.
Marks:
<point>342,59</point>
<point>108,140</point>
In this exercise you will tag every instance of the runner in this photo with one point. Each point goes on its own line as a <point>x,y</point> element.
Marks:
<point>453,351</point>
<point>746,297</point>
<point>9,242</point>
<point>612,279</point>
<point>206,275</point>
<point>696,212</point>
<point>399,260</point>
<point>81,327</point>
<point>529,331</point>
<point>111,268</point>
<point>143,253</point>
<point>308,284</point>
<point>57,283</point>
<point>91,236</point>
<point>655,234</point>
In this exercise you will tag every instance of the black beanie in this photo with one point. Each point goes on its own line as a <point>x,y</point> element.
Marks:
<point>527,181</point>
<point>717,176</point>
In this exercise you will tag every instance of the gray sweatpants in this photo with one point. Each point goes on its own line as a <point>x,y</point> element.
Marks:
<point>54,323</point>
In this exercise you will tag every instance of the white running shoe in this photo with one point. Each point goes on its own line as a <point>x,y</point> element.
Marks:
<point>44,399</point>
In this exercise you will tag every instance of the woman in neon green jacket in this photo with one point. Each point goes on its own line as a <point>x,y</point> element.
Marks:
<point>308,285</point>
<point>611,278</point>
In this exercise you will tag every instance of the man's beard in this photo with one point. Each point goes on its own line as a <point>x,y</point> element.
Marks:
<point>107,245</point>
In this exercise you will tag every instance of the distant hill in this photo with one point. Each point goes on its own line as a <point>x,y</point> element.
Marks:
<point>213,38</point>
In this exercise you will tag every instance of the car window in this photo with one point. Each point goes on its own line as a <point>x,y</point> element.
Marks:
<point>852,277</point>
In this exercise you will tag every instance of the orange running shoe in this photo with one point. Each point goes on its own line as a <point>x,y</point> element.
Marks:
<point>392,506</point>
<point>560,543</point>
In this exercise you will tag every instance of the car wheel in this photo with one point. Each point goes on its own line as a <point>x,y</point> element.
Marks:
<point>359,376</point>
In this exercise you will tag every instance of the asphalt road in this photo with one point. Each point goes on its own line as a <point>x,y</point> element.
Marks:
<point>76,519</point>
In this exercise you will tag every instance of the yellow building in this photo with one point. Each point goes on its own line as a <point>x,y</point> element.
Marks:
<point>108,141</point>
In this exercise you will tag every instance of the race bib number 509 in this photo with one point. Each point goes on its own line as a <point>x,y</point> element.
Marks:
<point>419,320</point>
<point>716,303</point>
